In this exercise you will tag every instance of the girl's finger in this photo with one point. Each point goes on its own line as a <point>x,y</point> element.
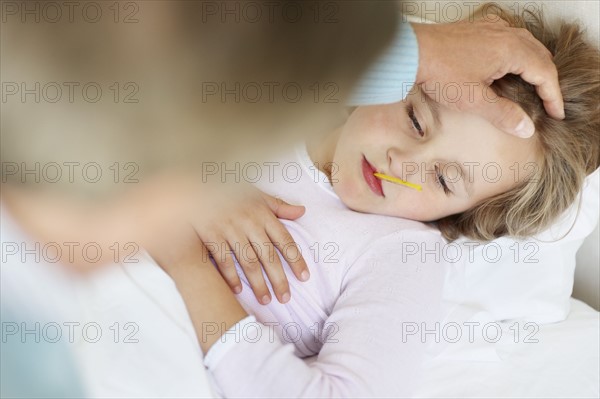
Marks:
<point>221,253</point>
<point>273,268</point>
<point>282,209</point>
<point>288,248</point>
<point>249,261</point>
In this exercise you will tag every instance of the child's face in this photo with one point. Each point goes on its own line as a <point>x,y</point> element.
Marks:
<point>385,139</point>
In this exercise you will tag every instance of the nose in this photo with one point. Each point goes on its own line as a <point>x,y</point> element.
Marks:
<point>405,163</point>
<point>415,164</point>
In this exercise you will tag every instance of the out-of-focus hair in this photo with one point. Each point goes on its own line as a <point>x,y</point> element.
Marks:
<point>163,60</point>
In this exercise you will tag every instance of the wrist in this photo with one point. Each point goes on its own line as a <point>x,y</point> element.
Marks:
<point>181,270</point>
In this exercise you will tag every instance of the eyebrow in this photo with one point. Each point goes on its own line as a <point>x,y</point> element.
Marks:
<point>434,109</point>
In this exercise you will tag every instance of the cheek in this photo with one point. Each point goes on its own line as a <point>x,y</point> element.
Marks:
<point>370,123</point>
<point>347,187</point>
<point>417,206</point>
<point>408,207</point>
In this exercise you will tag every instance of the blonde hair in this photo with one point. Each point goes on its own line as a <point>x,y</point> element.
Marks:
<point>570,147</point>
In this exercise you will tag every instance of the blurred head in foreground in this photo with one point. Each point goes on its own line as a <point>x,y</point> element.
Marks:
<point>98,99</point>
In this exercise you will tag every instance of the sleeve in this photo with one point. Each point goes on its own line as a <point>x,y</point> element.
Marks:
<point>221,347</point>
<point>365,352</point>
<point>390,79</point>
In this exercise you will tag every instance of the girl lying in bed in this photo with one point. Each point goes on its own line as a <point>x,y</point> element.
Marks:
<point>376,270</point>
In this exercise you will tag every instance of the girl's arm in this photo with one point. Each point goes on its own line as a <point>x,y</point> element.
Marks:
<point>365,349</point>
<point>242,224</point>
<point>209,301</point>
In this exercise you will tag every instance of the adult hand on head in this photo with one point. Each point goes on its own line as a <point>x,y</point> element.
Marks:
<point>471,55</point>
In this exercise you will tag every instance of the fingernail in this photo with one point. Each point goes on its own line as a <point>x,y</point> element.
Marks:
<point>237,289</point>
<point>304,275</point>
<point>285,297</point>
<point>525,128</point>
<point>265,299</point>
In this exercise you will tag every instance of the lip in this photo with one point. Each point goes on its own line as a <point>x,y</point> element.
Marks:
<point>373,182</point>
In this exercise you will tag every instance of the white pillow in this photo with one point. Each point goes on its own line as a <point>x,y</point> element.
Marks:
<point>523,279</point>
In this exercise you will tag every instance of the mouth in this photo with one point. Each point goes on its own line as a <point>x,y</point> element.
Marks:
<point>373,182</point>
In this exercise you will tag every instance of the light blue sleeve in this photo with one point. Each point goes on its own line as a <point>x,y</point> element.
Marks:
<point>31,367</point>
<point>394,73</point>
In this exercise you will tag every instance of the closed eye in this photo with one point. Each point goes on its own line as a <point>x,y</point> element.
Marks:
<point>414,121</point>
<point>441,181</point>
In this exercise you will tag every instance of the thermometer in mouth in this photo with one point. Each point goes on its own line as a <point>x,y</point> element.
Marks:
<point>397,181</point>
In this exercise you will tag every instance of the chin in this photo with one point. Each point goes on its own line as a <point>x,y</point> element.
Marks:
<point>349,200</point>
<point>359,204</point>
<point>360,208</point>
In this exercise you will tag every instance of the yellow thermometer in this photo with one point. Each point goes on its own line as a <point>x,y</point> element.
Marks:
<point>397,181</point>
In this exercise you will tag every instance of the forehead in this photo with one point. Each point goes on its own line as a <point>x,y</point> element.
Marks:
<point>498,161</point>
<point>475,131</point>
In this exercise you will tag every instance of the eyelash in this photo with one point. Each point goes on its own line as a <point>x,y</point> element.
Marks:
<point>415,122</point>
<point>439,179</point>
<point>417,126</point>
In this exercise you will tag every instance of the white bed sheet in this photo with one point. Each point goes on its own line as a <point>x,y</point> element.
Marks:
<point>564,363</point>
<point>167,362</point>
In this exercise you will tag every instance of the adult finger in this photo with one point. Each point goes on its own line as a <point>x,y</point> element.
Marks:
<point>504,114</point>
<point>540,71</point>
